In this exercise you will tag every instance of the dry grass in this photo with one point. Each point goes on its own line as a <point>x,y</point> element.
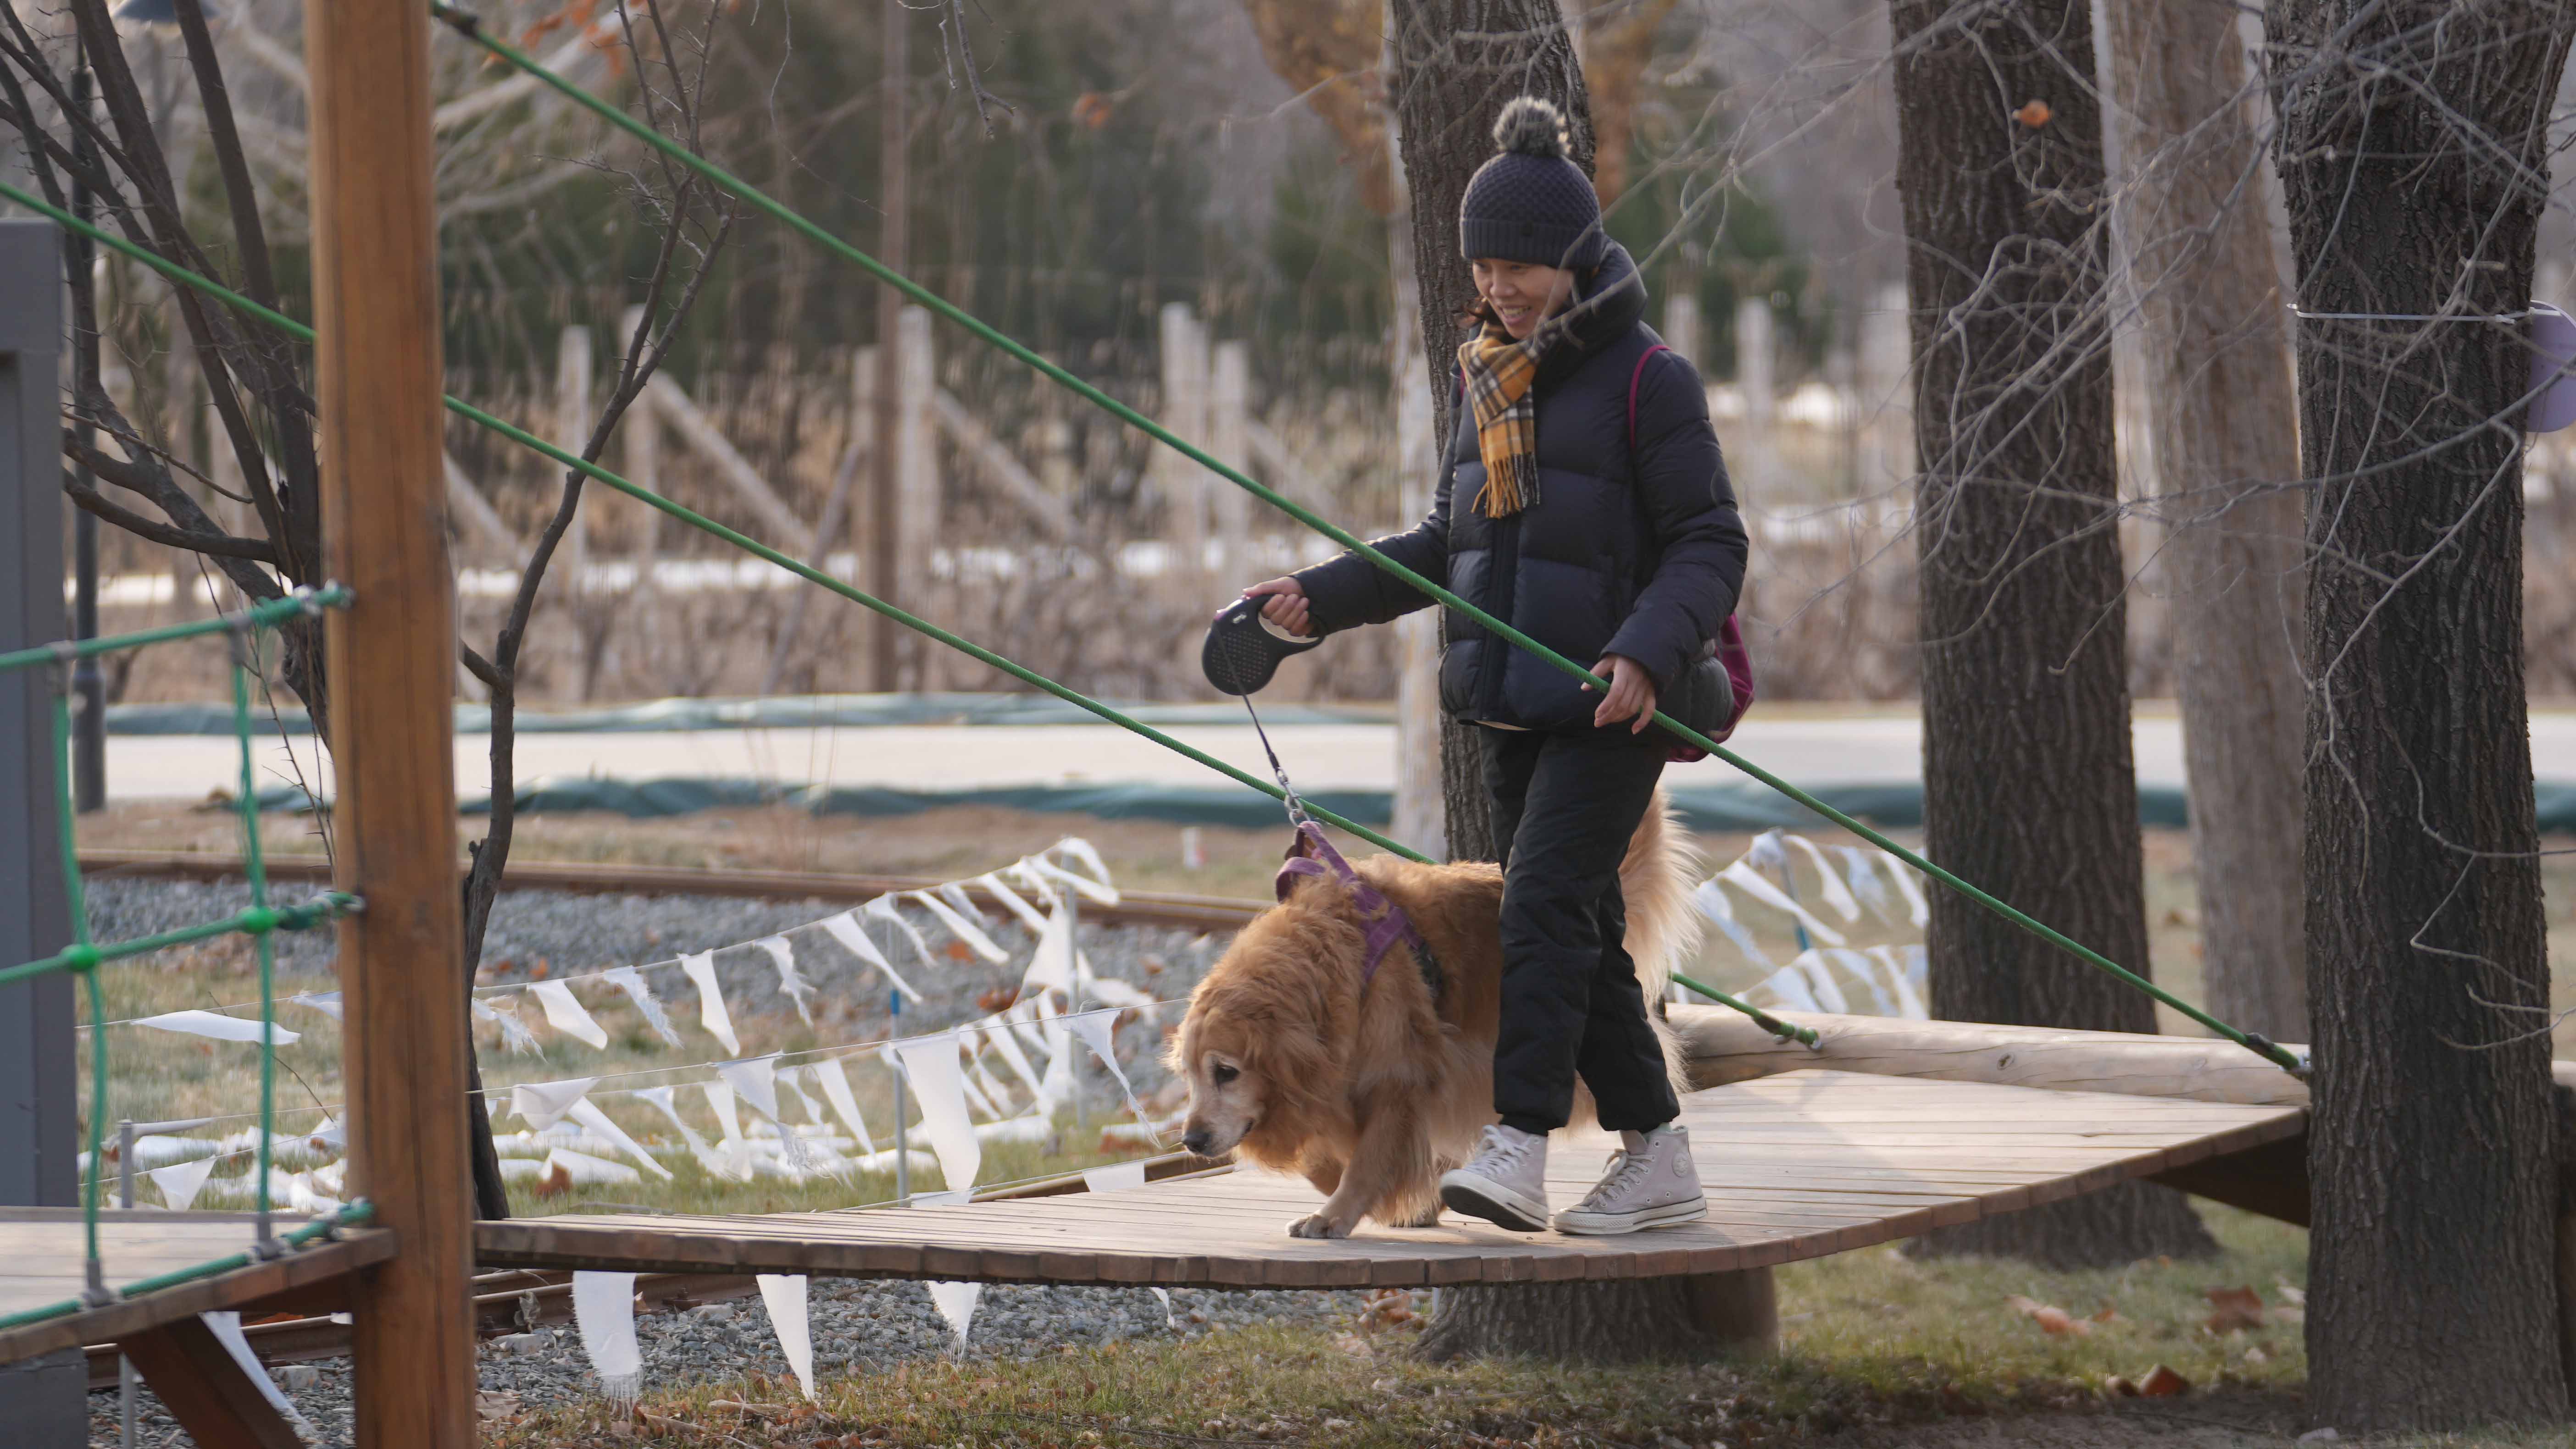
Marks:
<point>1875,1349</point>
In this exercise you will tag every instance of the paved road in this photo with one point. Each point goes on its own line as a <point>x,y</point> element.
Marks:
<point>1805,749</point>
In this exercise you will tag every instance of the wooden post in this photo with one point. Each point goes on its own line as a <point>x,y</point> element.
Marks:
<point>916,456</point>
<point>1229,410</point>
<point>885,553</point>
<point>1184,411</point>
<point>1738,1312</point>
<point>392,661</point>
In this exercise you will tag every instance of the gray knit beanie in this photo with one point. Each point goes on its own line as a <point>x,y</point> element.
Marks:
<point>1532,203</point>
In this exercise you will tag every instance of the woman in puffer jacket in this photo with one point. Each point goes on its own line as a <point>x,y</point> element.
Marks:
<point>1584,502</point>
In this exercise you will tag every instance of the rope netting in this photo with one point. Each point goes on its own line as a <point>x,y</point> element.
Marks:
<point>259,921</point>
<point>467,26</point>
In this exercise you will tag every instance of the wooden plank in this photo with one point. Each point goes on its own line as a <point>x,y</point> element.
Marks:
<point>204,1387</point>
<point>392,665</point>
<point>709,442</point>
<point>1797,1165</point>
<point>321,1262</point>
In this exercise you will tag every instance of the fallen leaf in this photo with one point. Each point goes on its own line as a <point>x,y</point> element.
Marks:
<point>555,1183</point>
<point>2057,1323</point>
<point>2033,114</point>
<point>998,999</point>
<point>2119,1387</point>
<point>1093,109</point>
<point>960,951</point>
<point>2290,1293</point>
<point>2163,1383</point>
<point>2237,1308</point>
<point>2108,1314</point>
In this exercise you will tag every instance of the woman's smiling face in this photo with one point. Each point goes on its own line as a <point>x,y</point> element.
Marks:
<point>1523,294</point>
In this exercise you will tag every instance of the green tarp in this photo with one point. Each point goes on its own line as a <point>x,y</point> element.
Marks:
<point>794,712</point>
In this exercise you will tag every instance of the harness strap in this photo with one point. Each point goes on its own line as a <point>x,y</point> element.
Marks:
<point>1386,921</point>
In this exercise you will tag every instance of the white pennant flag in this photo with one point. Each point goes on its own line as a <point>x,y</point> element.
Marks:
<point>226,1327</point>
<point>998,1036</point>
<point>1012,901</point>
<point>1916,908</point>
<point>715,1164</point>
<point>1789,986</point>
<point>929,1063</point>
<point>1711,899</point>
<point>214,1025</point>
<point>719,1097</point>
<point>180,1183</point>
<point>587,1113</point>
<point>883,908</point>
<point>1051,965</point>
<point>793,985</point>
<point>701,968</point>
<point>845,928</point>
<point>1097,1030</point>
<point>325,1002</point>
<point>514,1032</point>
<point>1820,980</point>
<point>1837,895</point>
<point>976,1102</point>
<point>544,1104</point>
<point>1116,1177</point>
<point>836,1090</point>
<point>566,1014</point>
<point>813,1110</point>
<point>956,1303</point>
<point>784,1296</point>
<point>1864,968</point>
<point>1097,885</point>
<point>1860,870</point>
<point>603,1308</point>
<point>632,982</point>
<point>1753,883</point>
<point>963,929</point>
<point>755,1079</point>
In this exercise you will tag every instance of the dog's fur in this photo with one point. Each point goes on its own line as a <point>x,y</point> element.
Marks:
<point>1372,1094</point>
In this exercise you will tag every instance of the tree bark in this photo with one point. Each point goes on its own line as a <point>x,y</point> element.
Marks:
<point>2218,380</point>
<point>2414,158</point>
<point>2029,789</point>
<point>1454,65</point>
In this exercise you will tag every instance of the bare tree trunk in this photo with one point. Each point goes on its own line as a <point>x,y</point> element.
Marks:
<point>2029,788</point>
<point>1454,64</point>
<point>2218,381</point>
<point>2414,158</point>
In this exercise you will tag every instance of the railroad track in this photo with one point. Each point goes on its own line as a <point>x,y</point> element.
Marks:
<point>1135,908</point>
<point>522,1300</point>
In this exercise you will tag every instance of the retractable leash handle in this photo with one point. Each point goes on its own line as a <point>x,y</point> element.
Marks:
<point>1243,649</point>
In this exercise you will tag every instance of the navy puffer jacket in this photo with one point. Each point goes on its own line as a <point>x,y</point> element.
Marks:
<point>1639,553</point>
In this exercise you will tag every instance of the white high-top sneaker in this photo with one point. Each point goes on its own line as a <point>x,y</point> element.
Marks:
<point>1506,1184</point>
<point>1651,1184</point>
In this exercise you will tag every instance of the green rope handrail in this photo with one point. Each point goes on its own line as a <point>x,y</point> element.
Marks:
<point>465,24</point>
<point>277,610</point>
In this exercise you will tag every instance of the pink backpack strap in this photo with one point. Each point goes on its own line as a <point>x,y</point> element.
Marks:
<point>1633,379</point>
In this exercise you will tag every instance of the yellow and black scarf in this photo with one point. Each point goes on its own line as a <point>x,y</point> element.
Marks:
<point>1498,370</point>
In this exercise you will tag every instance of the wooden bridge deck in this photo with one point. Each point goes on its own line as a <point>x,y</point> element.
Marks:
<point>1797,1165</point>
<point>40,1264</point>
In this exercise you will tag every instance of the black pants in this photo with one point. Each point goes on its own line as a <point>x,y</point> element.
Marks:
<point>1564,806</point>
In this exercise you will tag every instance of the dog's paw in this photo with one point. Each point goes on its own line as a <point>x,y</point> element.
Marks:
<point>1316,1225</point>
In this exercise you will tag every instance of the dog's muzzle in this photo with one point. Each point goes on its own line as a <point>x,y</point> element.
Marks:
<point>1198,1140</point>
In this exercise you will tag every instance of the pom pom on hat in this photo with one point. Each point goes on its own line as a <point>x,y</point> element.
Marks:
<point>1530,202</point>
<point>1533,126</point>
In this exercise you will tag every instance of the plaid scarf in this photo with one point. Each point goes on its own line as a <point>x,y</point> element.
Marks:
<point>1498,370</point>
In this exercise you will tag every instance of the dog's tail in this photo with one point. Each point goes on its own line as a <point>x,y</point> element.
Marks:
<point>1656,879</point>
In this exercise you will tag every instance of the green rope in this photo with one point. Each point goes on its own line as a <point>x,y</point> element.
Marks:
<point>264,942</point>
<point>466,25</point>
<point>320,911</point>
<point>274,611</point>
<point>77,898</point>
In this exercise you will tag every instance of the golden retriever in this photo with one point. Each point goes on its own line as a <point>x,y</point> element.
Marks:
<point>1370,1094</point>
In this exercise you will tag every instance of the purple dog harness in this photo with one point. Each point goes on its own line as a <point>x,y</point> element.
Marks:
<point>1387,922</point>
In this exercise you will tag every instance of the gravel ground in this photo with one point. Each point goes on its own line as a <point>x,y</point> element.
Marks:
<point>858,1327</point>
